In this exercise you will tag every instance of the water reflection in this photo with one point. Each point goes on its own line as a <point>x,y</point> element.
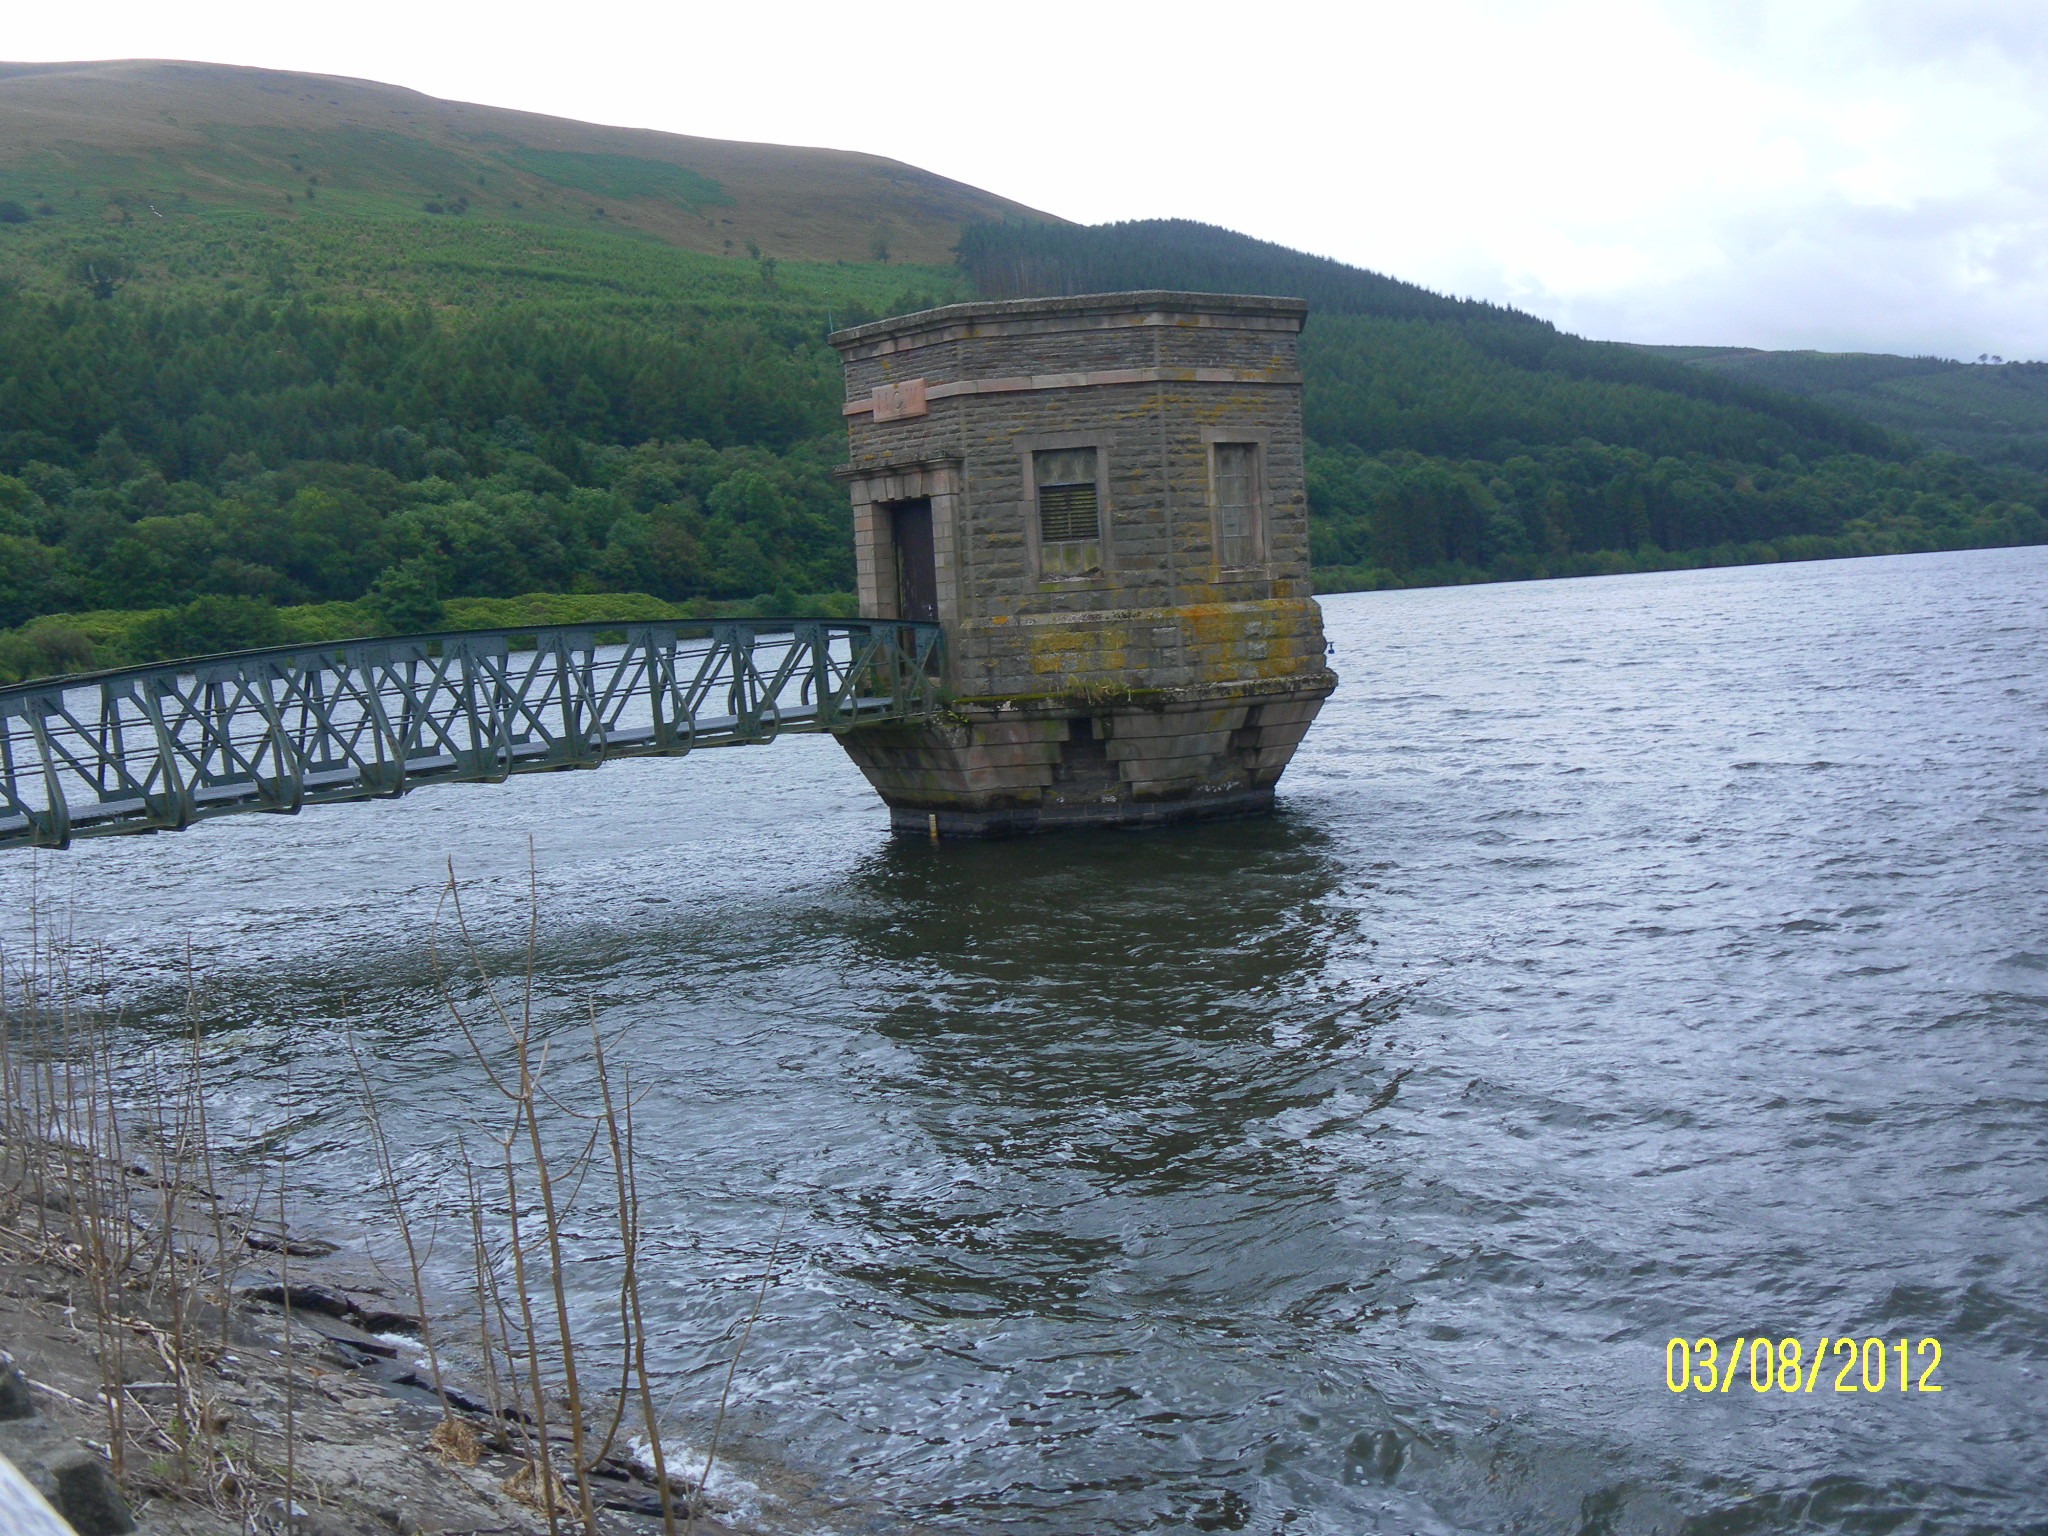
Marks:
<point>1130,1007</point>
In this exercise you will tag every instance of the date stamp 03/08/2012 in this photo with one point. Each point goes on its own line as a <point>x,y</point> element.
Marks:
<point>1861,1366</point>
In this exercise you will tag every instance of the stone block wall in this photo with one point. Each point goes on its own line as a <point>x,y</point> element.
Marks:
<point>951,406</point>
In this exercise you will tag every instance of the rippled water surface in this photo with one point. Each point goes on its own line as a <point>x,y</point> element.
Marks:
<point>1631,957</point>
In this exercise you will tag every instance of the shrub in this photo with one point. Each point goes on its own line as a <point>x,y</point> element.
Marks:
<point>406,598</point>
<point>45,650</point>
<point>205,626</point>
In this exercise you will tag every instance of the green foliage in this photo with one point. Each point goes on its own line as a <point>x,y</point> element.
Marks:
<point>235,429</point>
<point>1991,409</point>
<point>90,641</point>
<point>208,624</point>
<point>101,273</point>
<point>622,176</point>
<point>1457,441</point>
<point>342,255</point>
<point>1491,389</point>
<point>252,417</point>
<point>1387,364</point>
<point>190,383</point>
<point>1402,518</point>
<point>46,649</point>
<point>405,599</point>
<point>1028,260</point>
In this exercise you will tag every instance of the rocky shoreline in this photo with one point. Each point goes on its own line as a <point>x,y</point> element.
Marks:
<point>312,1417</point>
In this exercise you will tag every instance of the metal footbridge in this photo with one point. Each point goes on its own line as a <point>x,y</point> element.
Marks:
<point>156,748</point>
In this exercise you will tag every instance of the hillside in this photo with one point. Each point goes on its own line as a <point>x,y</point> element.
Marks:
<point>149,139</point>
<point>1453,440</point>
<point>240,406</point>
<point>1379,349</point>
<point>1993,410</point>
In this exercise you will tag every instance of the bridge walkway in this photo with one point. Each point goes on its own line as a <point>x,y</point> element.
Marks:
<point>157,748</point>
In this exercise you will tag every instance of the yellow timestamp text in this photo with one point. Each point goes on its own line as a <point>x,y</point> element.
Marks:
<point>1783,1365</point>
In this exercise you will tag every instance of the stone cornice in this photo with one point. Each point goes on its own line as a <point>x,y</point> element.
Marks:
<point>878,403</point>
<point>1088,311</point>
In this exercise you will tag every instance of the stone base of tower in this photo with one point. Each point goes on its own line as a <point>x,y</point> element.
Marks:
<point>1001,768</point>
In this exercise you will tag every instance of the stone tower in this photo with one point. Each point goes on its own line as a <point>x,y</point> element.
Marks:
<point>1101,499</point>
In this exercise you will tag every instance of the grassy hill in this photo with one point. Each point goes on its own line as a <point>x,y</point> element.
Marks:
<point>1997,411</point>
<point>270,369</point>
<point>275,366</point>
<point>115,143</point>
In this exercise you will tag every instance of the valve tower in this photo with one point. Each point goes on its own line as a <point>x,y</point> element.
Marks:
<point>1101,500</point>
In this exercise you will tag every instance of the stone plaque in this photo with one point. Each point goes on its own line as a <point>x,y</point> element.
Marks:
<point>893,402</point>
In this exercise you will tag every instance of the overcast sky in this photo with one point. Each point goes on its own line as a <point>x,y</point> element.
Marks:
<point>1847,174</point>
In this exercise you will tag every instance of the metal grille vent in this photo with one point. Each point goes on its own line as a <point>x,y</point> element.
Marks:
<point>1067,513</point>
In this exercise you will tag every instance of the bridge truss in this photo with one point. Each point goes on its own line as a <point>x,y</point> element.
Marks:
<point>157,748</point>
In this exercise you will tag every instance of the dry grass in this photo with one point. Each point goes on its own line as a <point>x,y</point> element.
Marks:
<point>120,1186</point>
<point>117,1190</point>
<point>457,1442</point>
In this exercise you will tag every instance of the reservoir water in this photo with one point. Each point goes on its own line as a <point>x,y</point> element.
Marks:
<point>1631,958</point>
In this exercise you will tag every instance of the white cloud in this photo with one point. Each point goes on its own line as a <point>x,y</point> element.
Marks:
<point>1865,174</point>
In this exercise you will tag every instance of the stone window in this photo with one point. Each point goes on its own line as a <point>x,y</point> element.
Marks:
<point>1240,530</point>
<point>1069,511</point>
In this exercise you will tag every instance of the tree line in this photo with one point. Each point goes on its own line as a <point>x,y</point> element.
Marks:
<point>1402,518</point>
<point>1453,440</point>
<point>214,450</point>
<point>156,454</point>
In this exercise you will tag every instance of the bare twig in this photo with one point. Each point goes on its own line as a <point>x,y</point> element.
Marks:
<point>380,1147</point>
<point>718,1424</point>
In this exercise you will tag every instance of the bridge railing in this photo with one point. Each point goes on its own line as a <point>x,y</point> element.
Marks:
<point>159,747</point>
